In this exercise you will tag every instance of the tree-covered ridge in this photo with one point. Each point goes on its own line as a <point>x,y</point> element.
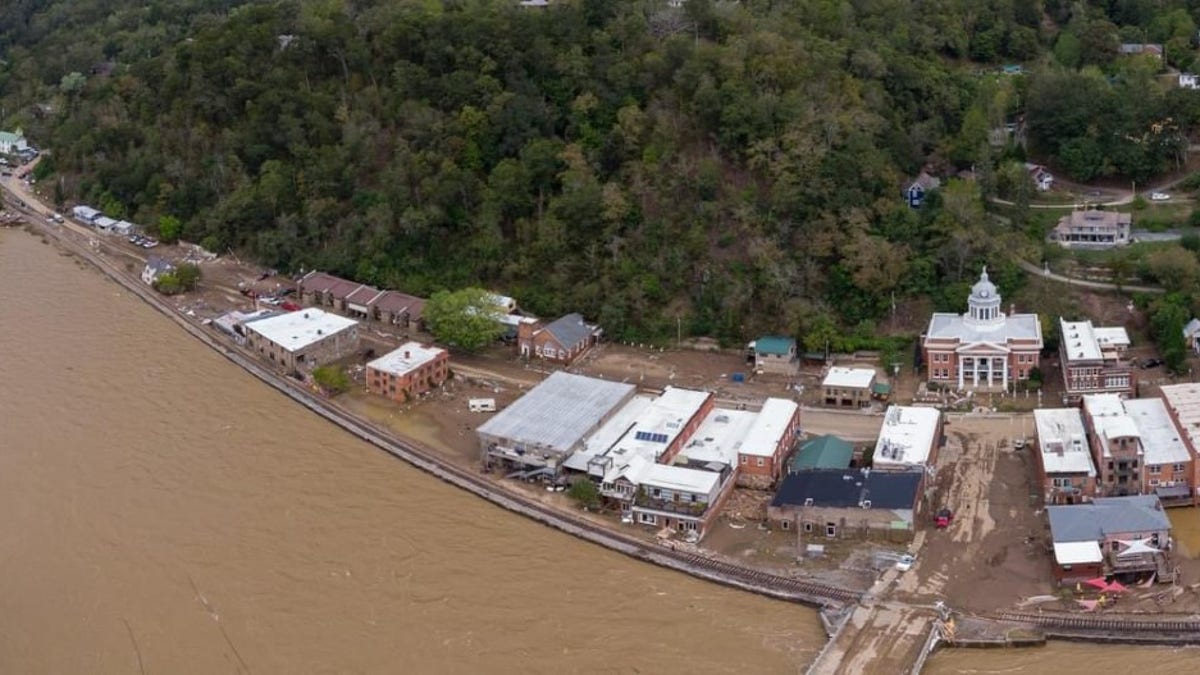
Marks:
<point>737,166</point>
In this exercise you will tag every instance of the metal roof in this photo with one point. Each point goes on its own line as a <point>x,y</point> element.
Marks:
<point>823,452</point>
<point>1107,516</point>
<point>557,413</point>
<point>774,344</point>
<point>569,330</point>
<point>841,488</point>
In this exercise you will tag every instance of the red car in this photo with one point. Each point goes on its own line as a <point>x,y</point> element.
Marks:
<point>944,518</point>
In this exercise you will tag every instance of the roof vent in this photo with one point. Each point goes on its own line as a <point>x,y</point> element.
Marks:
<point>808,501</point>
<point>866,503</point>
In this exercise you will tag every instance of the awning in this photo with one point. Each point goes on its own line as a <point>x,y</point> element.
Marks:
<point>1173,491</point>
<point>1077,552</point>
<point>881,388</point>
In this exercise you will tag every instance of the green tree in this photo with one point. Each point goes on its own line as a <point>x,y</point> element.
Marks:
<point>169,228</point>
<point>467,318</point>
<point>332,379</point>
<point>585,493</point>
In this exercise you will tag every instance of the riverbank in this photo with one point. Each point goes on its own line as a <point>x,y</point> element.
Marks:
<point>429,460</point>
<point>811,593</point>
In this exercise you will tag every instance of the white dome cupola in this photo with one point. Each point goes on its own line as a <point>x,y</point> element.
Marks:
<point>983,307</point>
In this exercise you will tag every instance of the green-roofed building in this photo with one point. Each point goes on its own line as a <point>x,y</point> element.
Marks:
<point>775,354</point>
<point>822,452</point>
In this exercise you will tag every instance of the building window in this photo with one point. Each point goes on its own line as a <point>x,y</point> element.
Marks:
<point>808,527</point>
<point>759,461</point>
<point>786,525</point>
<point>744,460</point>
<point>1155,469</point>
<point>647,519</point>
<point>1177,468</point>
<point>831,529</point>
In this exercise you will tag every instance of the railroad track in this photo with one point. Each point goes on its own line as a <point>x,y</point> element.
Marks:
<point>1100,624</point>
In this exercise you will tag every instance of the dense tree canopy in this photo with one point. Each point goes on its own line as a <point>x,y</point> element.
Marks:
<point>736,167</point>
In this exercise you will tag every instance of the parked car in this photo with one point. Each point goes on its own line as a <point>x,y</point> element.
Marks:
<point>1152,363</point>
<point>943,518</point>
<point>905,562</point>
<point>1159,197</point>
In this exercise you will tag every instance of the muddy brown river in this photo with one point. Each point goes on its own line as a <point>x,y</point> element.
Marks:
<point>164,512</point>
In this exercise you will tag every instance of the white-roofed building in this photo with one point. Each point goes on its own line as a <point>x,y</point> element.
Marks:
<point>984,348</point>
<point>848,386</point>
<point>1093,360</point>
<point>909,438</point>
<point>1169,471</point>
<point>551,422</point>
<point>1182,402</point>
<point>768,442</point>
<point>719,438</point>
<point>303,340</point>
<point>409,371</point>
<point>104,223</point>
<point>666,496</point>
<point>661,429</point>
<point>1139,448</point>
<point>85,214</point>
<point>1064,457</point>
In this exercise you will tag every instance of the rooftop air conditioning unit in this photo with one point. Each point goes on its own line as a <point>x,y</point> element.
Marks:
<point>808,501</point>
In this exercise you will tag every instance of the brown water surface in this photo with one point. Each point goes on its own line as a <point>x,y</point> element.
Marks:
<point>163,507</point>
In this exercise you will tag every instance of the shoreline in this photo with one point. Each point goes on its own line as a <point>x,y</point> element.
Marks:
<point>810,593</point>
<point>1183,629</point>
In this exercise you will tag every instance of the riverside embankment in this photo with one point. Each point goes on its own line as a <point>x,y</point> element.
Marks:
<point>732,575</point>
<point>812,593</point>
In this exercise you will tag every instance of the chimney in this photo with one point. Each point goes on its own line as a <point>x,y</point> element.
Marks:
<point>407,354</point>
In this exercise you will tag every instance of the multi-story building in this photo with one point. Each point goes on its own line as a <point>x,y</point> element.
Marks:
<point>1139,449</point>
<point>405,373</point>
<point>767,443</point>
<point>1064,460</point>
<point>1183,405</point>
<point>300,341</point>
<point>1168,462</point>
<point>1094,360</point>
<point>1093,229</point>
<point>1116,445</point>
<point>984,348</point>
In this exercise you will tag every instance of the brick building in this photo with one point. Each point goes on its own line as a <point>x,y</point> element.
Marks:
<point>361,301</point>
<point>406,373</point>
<point>1138,449</point>
<point>1183,405</point>
<point>300,341</point>
<point>984,348</point>
<point>850,387</point>
<point>1094,360</point>
<point>562,341</point>
<point>1064,459</point>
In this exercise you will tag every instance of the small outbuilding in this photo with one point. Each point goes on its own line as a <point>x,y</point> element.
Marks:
<point>849,387</point>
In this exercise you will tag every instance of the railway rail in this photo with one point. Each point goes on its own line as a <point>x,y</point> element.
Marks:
<point>1102,624</point>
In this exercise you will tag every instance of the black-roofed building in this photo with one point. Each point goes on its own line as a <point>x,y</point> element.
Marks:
<point>562,340</point>
<point>837,503</point>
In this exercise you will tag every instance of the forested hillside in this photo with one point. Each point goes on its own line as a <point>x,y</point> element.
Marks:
<point>737,167</point>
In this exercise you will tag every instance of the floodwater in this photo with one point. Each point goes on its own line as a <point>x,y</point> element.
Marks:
<point>164,512</point>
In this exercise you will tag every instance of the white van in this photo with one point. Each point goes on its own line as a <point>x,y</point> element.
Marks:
<point>481,404</point>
